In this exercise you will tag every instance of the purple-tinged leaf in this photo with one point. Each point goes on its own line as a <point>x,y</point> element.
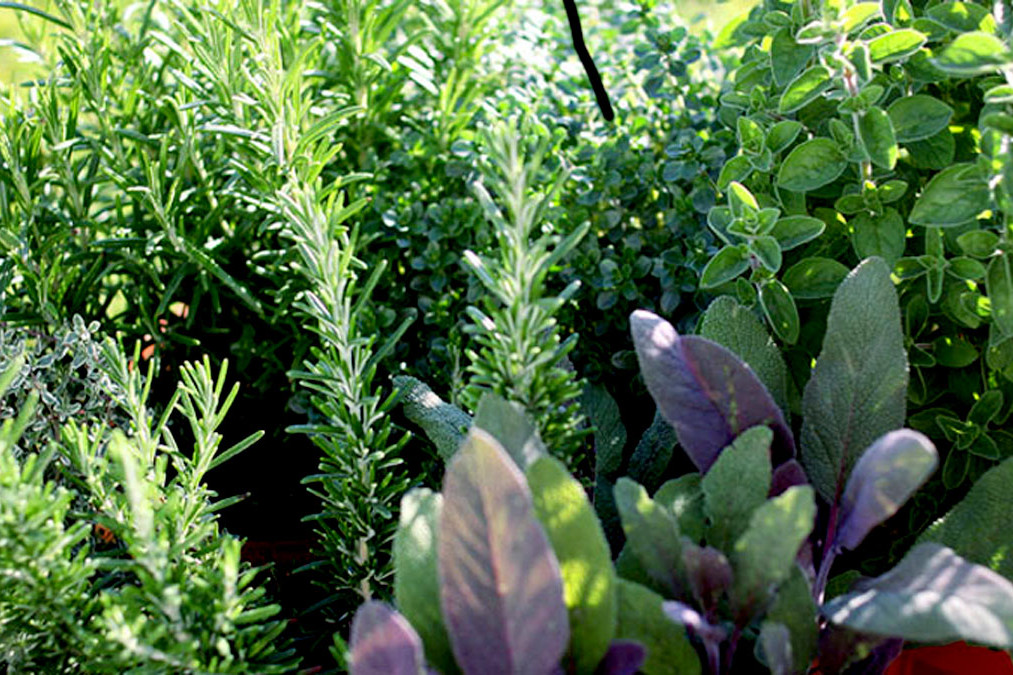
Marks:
<point>708,571</point>
<point>500,585</point>
<point>785,476</point>
<point>775,643</point>
<point>858,388</point>
<point>883,479</point>
<point>624,657</point>
<point>704,391</point>
<point>840,650</point>
<point>694,622</point>
<point>709,634</point>
<point>932,595</point>
<point>384,643</point>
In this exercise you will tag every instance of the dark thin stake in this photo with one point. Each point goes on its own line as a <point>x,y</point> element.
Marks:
<point>585,58</point>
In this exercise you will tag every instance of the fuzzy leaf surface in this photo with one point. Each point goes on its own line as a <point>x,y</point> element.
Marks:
<point>763,557</point>
<point>384,643</point>
<point>978,528</point>
<point>510,425</point>
<point>706,393</point>
<point>857,390</point>
<point>883,479</point>
<point>610,433</point>
<point>732,325</point>
<point>585,560</point>
<point>641,618</point>
<point>736,485</point>
<point>501,590</point>
<point>444,424</point>
<point>416,578</point>
<point>932,595</point>
<point>651,533</point>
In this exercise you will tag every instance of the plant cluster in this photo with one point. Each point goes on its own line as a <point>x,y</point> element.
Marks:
<point>880,129</point>
<point>394,216</point>
<point>509,565</point>
<point>116,563</point>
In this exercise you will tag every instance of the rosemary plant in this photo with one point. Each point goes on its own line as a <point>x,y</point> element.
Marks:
<point>519,351</point>
<point>122,567</point>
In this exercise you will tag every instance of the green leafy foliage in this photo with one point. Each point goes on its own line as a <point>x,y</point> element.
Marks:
<point>164,591</point>
<point>514,565</point>
<point>734,552</point>
<point>884,124</point>
<point>518,345</point>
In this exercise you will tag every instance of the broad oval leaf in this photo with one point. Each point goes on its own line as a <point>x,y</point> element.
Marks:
<point>878,138</point>
<point>651,533</point>
<point>804,89</point>
<point>857,391</point>
<point>726,264</point>
<point>999,282</point>
<point>918,117</point>
<point>610,433</point>
<point>783,134</point>
<point>932,595</point>
<point>585,560</point>
<point>511,427</point>
<point>962,16</point>
<point>767,251</point>
<point>882,235</point>
<point>416,579</point>
<point>793,606</point>
<point>501,590</point>
<point>732,325</point>
<point>978,527</point>
<point>951,198</point>
<point>811,165</point>
<point>641,618</point>
<point>736,485</point>
<point>895,45</point>
<point>780,310</point>
<point>792,231</point>
<point>812,278</point>
<point>764,555</point>
<point>383,643</point>
<point>787,57</point>
<point>883,479</point>
<point>705,392</point>
<point>975,53</point>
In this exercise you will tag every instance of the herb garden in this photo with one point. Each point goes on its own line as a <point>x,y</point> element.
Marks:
<point>354,336</point>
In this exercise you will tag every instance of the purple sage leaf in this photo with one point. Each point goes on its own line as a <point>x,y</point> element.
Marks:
<point>384,643</point>
<point>707,393</point>
<point>785,476</point>
<point>500,585</point>
<point>708,571</point>
<point>624,657</point>
<point>883,479</point>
